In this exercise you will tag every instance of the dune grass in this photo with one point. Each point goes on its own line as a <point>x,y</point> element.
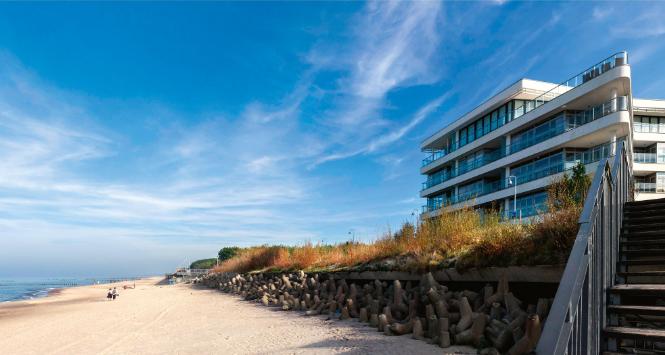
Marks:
<point>462,238</point>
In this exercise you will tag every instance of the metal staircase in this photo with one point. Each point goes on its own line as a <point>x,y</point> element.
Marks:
<point>636,323</point>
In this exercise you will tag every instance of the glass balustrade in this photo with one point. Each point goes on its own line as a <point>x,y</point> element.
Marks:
<point>648,187</point>
<point>594,71</point>
<point>647,158</point>
<point>558,125</point>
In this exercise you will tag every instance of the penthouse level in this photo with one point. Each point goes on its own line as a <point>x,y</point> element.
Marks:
<point>533,131</point>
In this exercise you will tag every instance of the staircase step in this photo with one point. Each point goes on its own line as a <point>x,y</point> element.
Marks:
<point>643,310</point>
<point>645,202</point>
<point>636,333</point>
<point>645,242</point>
<point>644,233</point>
<point>642,219</point>
<point>644,252</point>
<point>642,273</point>
<point>628,226</point>
<point>640,288</point>
<point>648,262</point>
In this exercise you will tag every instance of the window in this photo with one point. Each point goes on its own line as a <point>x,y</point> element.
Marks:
<point>462,137</point>
<point>661,125</point>
<point>519,109</point>
<point>471,133</point>
<point>486,125</point>
<point>479,129</point>
<point>654,125</point>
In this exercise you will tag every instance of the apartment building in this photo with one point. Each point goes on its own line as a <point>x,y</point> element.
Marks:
<point>518,141</point>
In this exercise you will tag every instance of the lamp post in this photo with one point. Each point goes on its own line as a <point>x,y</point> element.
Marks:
<point>352,233</point>
<point>512,180</point>
<point>414,214</point>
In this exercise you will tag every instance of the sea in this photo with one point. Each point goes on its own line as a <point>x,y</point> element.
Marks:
<point>19,289</point>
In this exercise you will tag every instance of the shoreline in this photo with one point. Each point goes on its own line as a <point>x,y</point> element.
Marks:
<point>39,288</point>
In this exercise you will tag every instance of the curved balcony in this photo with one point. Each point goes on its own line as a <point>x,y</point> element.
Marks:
<point>596,70</point>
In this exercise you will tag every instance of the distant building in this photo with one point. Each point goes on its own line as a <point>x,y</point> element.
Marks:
<point>533,131</point>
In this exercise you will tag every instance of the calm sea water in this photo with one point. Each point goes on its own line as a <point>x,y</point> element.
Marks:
<point>30,288</point>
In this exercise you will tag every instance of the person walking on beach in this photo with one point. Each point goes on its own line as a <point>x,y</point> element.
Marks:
<point>115,293</point>
<point>109,295</point>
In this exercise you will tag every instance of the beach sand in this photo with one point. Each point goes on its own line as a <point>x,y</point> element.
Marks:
<point>163,319</point>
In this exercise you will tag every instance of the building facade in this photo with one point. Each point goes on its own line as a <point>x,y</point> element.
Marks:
<point>518,141</point>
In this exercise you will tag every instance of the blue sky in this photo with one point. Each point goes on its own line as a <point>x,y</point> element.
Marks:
<point>137,136</point>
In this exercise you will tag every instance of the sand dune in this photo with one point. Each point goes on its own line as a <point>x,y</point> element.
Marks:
<point>162,319</point>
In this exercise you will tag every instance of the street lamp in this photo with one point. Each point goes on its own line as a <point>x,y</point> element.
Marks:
<point>352,233</point>
<point>512,180</point>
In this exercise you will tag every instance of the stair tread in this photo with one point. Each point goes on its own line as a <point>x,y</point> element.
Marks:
<point>643,241</point>
<point>642,273</point>
<point>653,262</point>
<point>644,251</point>
<point>641,332</point>
<point>637,309</point>
<point>639,287</point>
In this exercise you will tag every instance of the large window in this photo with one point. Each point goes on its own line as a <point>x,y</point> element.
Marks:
<point>489,122</point>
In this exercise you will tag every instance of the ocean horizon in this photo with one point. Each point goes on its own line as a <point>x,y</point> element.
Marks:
<point>27,288</point>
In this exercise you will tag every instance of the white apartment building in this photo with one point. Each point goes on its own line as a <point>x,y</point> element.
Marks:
<point>522,138</point>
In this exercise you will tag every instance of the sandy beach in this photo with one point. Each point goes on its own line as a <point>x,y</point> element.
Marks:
<point>163,319</point>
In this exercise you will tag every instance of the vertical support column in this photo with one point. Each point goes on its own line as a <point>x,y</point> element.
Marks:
<point>507,143</point>
<point>613,143</point>
<point>614,100</point>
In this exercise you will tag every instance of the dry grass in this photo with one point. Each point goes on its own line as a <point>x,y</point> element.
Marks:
<point>464,238</point>
<point>461,238</point>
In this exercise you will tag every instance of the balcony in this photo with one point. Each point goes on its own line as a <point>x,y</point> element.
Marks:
<point>587,75</point>
<point>562,123</point>
<point>645,158</point>
<point>562,167</point>
<point>649,187</point>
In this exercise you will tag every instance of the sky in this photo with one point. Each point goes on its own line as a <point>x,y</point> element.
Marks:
<point>138,137</point>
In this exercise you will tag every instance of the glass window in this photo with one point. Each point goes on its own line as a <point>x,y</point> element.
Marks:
<point>479,128</point>
<point>519,109</point>
<point>462,137</point>
<point>661,125</point>
<point>654,125</point>
<point>509,114</point>
<point>486,124</point>
<point>501,113</point>
<point>471,133</point>
<point>637,124</point>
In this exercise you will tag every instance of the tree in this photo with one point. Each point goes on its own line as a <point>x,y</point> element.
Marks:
<point>227,253</point>
<point>569,191</point>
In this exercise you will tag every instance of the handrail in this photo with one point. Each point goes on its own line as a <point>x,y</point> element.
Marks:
<point>578,313</point>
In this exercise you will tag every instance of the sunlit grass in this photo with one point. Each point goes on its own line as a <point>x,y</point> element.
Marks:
<point>464,238</point>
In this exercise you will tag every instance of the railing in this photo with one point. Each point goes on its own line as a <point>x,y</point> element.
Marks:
<point>649,187</point>
<point>645,157</point>
<point>594,71</point>
<point>617,59</point>
<point>571,120</point>
<point>578,313</point>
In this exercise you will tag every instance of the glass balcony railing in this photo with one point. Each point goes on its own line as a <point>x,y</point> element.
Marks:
<point>495,186</point>
<point>594,71</point>
<point>649,187</point>
<point>467,166</point>
<point>647,158</point>
<point>558,125</point>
